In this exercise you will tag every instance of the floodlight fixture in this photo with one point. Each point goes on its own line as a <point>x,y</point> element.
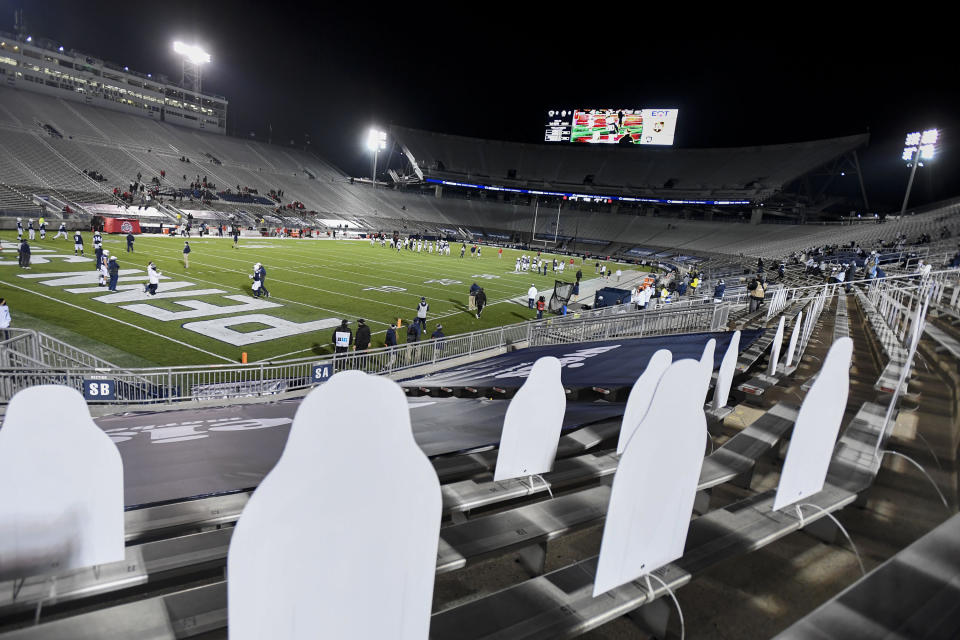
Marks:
<point>376,140</point>
<point>192,53</point>
<point>918,146</point>
<point>29,38</point>
<point>193,59</point>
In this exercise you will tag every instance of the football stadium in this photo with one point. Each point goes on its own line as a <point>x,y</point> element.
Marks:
<point>453,384</point>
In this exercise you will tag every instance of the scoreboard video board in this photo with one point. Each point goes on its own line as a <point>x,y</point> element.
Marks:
<point>611,126</point>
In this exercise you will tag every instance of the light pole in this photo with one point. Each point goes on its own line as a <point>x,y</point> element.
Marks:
<point>193,59</point>
<point>376,142</point>
<point>918,146</point>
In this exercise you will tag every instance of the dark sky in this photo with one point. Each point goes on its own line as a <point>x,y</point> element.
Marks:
<point>332,72</point>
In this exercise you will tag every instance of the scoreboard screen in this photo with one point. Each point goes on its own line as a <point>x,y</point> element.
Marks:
<point>611,126</point>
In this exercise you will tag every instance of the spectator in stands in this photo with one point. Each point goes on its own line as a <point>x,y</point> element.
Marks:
<point>481,299</point>
<point>531,296</point>
<point>755,287</point>
<point>718,291</point>
<point>850,276</point>
<point>342,337</point>
<point>5,318</point>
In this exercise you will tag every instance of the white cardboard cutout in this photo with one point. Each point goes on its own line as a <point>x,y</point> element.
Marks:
<point>656,481</point>
<point>816,429</point>
<point>721,392</point>
<point>641,394</point>
<point>334,544</point>
<point>706,368</point>
<point>794,335</point>
<point>775,349</point>
<point>532,424</point>
<point>61,486</point>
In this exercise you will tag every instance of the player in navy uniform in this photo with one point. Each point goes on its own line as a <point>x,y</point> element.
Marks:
<point>77,243</point>
<point>19,229</point>
<point>113,268</point>
<point>61,230</point>
<point>24,254</point>
<point>259,278</point>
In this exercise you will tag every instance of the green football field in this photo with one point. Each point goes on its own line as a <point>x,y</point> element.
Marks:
<point>207,314</point>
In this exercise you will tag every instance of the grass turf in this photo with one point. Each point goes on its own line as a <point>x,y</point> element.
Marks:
<point>311,279</point>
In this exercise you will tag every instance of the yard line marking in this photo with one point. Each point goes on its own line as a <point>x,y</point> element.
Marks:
<point>123,322</point>
<point>331,262</point>
<point>296,284</point>
<point>447,315</point>
<point>341,314</point>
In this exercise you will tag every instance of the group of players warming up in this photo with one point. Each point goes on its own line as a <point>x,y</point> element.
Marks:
<point>107,267</point>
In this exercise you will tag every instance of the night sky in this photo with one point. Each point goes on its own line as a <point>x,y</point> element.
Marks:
<point>331,73</point>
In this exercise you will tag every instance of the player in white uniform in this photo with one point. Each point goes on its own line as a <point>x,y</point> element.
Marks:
<point>30,231</point>
<point>153,279</point>
<point>104,273</point>
<point>19,229</point>
<point>43,229</point>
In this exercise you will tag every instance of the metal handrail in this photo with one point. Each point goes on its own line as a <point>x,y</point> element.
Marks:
<point>145,386</point>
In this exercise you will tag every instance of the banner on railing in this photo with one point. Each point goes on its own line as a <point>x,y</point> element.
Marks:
<point>238,389</point>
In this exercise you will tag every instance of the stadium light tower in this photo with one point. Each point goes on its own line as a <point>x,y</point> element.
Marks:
<point>376,142</point>
<point>918,147</point>
<point>193,60</point>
